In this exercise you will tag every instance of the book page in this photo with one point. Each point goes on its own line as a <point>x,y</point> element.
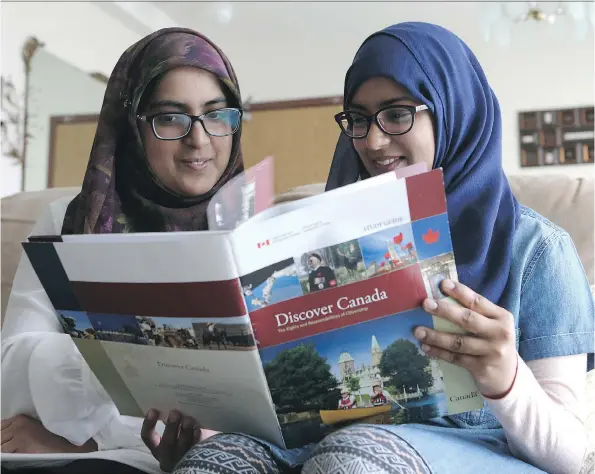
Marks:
<point>334,292</point>
<point>162,323</point>
<point>289,206</point>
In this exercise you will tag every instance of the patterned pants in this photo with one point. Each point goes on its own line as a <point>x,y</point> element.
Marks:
<point>353,450</point>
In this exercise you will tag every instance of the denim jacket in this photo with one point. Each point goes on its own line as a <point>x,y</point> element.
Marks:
<point>548,293</point>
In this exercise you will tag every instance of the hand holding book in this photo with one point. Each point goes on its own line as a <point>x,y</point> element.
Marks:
<point>488,352</point>
<point>180,434</point>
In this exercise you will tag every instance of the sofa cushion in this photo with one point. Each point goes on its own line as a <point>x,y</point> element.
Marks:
<point>19,214</point>
<point>566,201</point>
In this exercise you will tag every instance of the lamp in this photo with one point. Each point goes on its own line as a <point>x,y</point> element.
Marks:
<point>502,19</point>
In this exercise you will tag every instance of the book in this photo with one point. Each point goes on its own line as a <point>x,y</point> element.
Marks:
<point>290,325</point>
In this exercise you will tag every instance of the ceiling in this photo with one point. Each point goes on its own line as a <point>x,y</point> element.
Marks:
<point>309,45</point>
<point>305,45</point>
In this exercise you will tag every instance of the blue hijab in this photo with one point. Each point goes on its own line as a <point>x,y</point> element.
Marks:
<point>439,70</point>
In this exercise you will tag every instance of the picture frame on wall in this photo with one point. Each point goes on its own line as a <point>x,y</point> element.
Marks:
<point>557,136</point>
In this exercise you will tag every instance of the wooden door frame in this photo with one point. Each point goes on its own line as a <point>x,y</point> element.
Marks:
<point>296,104</point>
<point>55,121</point>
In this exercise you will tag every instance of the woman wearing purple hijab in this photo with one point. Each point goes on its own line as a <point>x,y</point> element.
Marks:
<point>168,138</point>
<point>415,93</point>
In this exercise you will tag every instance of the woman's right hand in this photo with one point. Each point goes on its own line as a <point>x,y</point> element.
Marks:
<point>180,434</point>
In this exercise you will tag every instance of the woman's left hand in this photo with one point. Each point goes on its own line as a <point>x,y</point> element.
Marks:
<point>488,352</point>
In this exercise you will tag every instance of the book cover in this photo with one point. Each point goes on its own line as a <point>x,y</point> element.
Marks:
<point>335,320</point>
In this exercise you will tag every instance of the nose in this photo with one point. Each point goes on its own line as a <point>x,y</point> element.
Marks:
<point>376,138</point>
<point>197,136</point>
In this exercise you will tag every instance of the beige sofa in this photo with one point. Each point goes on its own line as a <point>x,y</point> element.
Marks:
<point>567,201</point>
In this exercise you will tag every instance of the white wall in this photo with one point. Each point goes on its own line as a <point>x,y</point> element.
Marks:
<point>56,88</point>
<point>79,33</point>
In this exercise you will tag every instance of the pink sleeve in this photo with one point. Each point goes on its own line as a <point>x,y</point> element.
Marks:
<point>542,415</point>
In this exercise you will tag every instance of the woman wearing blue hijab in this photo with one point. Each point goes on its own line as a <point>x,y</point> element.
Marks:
<point>416,94</point>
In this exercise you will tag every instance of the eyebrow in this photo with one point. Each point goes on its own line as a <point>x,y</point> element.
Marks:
<point>182,106</point>
<point>384,103</point>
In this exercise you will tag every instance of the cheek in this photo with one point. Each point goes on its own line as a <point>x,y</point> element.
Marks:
<point>360,148</point>
<point>159,152</point>
<point>223,146</point>
<point>420,143</point>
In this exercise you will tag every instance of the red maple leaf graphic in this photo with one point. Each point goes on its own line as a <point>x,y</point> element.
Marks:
<point>431,237</point>
<point>397,239</point>
<point>382,264</point>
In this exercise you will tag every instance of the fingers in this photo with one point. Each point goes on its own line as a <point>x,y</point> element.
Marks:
<point>187,437</point>
<point>452,342</point>
<point>471,300</point>
<point>148,434</point>
<point>6,423</point>
<point>470,320</point>
<point>6,437</point>
<point>9,446</point>
<point>12,421</point>
<point>167,446</point>
<point>180,434</point>
<point>462,360</point>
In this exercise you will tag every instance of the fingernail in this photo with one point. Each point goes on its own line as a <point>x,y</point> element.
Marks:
<point>448,284</point>
<point>174,417</point>
<point>151,414</point>
<point>188,423</point>
<point>425,348</point>
<point>420,333</point>
<point>430,305</point>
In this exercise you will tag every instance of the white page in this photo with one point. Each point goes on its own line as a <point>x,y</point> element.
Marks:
<point>148,357</point>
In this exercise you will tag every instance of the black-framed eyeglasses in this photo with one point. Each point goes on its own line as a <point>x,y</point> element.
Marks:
<point>392,120</point>
<point>176,125</point>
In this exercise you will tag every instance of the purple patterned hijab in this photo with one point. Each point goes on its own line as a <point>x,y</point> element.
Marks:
<point>120,193</point>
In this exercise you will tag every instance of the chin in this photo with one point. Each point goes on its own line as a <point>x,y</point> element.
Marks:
<point>195,190</point>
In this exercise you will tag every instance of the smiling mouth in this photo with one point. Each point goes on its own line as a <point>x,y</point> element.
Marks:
<point>197,163</point>
<point>391,162</point>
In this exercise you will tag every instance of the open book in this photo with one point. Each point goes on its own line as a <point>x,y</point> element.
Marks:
<point>290,325</point>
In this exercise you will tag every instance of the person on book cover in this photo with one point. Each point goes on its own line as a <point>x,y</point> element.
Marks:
<point>170,125</point>
<point>377,398</point>
<point>321,276</point>
<point>347,401</point>
<point>351,258</point>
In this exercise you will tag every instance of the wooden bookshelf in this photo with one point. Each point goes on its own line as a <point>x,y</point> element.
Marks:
<point>556,137</point>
